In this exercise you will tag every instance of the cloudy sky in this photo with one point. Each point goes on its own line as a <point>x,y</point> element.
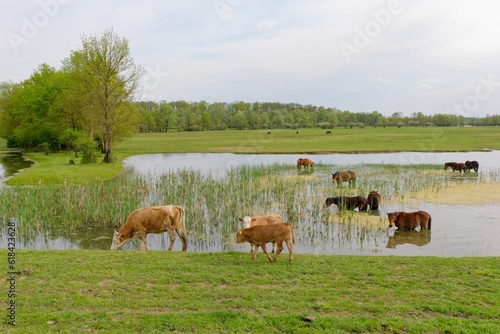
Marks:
<point>363,55</point>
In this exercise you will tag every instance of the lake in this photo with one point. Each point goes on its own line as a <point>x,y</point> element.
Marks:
<point>457,230</point>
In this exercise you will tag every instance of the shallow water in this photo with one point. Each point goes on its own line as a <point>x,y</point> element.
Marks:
<point>11,163</point>
<point>457,230</point>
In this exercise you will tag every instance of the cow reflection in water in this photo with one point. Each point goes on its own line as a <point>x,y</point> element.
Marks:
<point>420,238</point>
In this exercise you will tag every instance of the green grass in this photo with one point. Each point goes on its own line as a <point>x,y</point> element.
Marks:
<point>55,168</point>
<point>155,292</point>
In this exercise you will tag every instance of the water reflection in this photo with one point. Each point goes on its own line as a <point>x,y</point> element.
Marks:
<point>417,238</point>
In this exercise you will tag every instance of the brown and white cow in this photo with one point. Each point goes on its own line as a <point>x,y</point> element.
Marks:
<point>249,221</point>
<point>261,234</point>
<point>153,219</point>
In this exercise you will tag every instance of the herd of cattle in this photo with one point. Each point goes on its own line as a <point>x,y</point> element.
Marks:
<point>260,230</point>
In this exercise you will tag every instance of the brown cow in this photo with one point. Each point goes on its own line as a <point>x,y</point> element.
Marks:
<point>260,220</point>
<point>261,234</point>
<point>304,162</point>
<point>449,164</point>
<point>410,220</point>
<point>153,219</point>
<point>373,200</point>
<point>348,176</point>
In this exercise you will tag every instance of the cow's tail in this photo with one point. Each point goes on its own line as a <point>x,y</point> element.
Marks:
<point>181,230</point>
<point>293,234</point>
<point>430,220</point>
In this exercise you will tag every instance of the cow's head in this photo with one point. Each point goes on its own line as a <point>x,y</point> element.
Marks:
<point>335,176</point>
<point>240,237</point>
<point>118,241</point>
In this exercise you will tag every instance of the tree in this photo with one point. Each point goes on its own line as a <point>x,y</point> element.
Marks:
<point>105,65</point>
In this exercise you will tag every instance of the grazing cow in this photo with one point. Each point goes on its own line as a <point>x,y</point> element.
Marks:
<point>373,200</point>
<point>269,132</point>
<point>260,220</point>
<point>458,166</point>
<point>348,176</point>
<point>304,162</point>
<point>154,219</point>
<point>410,220</point>
<point>348,203</point>
<point>328,132</point>
<point>449,164</point>
<point>261,234</point>
<point>472,165</point>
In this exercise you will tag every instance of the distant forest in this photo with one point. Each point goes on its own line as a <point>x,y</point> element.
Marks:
<point>203,116</point>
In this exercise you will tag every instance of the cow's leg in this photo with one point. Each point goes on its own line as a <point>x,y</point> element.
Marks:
<point>264,249</point>
<point>171,235</point>
<point>289,245</point>
<point>255,248</point>
<point>141,235</point>
<point>183,239</point>
<point>274,248</point>
<point>278,250</point>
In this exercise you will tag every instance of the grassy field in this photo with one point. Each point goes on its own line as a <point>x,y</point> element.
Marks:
<point>81,291</point>
<point>55,168</point>
<point>159,292</point>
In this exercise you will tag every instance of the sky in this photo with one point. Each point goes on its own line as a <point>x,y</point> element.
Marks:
<point>362,55</point>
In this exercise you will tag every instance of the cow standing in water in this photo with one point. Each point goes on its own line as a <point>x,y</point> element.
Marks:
<point>373,200</point>
<point>348,176</point>
<point>154,219</point>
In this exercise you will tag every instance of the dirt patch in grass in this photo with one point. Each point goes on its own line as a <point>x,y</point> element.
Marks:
<point>461,194</point>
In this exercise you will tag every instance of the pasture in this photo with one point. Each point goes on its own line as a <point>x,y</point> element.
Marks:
<point>157,292</point>
<point>226,292</point>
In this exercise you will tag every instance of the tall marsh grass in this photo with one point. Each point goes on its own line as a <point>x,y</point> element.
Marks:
<point>213,203</point>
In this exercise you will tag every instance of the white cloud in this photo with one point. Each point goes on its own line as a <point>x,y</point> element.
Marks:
<point>428,55</point>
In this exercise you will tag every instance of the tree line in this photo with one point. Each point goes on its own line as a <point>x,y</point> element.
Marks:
<point>89,105</point>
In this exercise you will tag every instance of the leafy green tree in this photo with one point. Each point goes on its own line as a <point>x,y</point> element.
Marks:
<point>105,66</point>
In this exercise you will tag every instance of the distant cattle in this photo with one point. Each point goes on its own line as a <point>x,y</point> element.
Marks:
<point>260,220</point>
<point>348,176</point>
<point>328,132</point>
<point>373,200</point>
<point>348,203</point>
<point>458,166</point>
<point>449,164</point>
<point>410,220</point>
<point>305,162</point>
<point>154,219</point>
<point>261,234</point>
<point>269,132</point>
<point>472,165</point>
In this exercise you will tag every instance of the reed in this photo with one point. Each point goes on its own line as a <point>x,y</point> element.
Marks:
<point>213,203</point>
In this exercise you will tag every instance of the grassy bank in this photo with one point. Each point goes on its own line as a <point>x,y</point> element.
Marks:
<point>156,292</point>
<point>56,169</point>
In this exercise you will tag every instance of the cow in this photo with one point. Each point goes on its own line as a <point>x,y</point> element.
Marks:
<point>153,219</point>
<point>410,220</point>
<point>373,200</point>
<point>472,165</point>
<point>260,220</point>
<point>345,202</point>
<point>328,132</point>
<point>261,234</point>
<point>305,162</point>
<point>348,176</point>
